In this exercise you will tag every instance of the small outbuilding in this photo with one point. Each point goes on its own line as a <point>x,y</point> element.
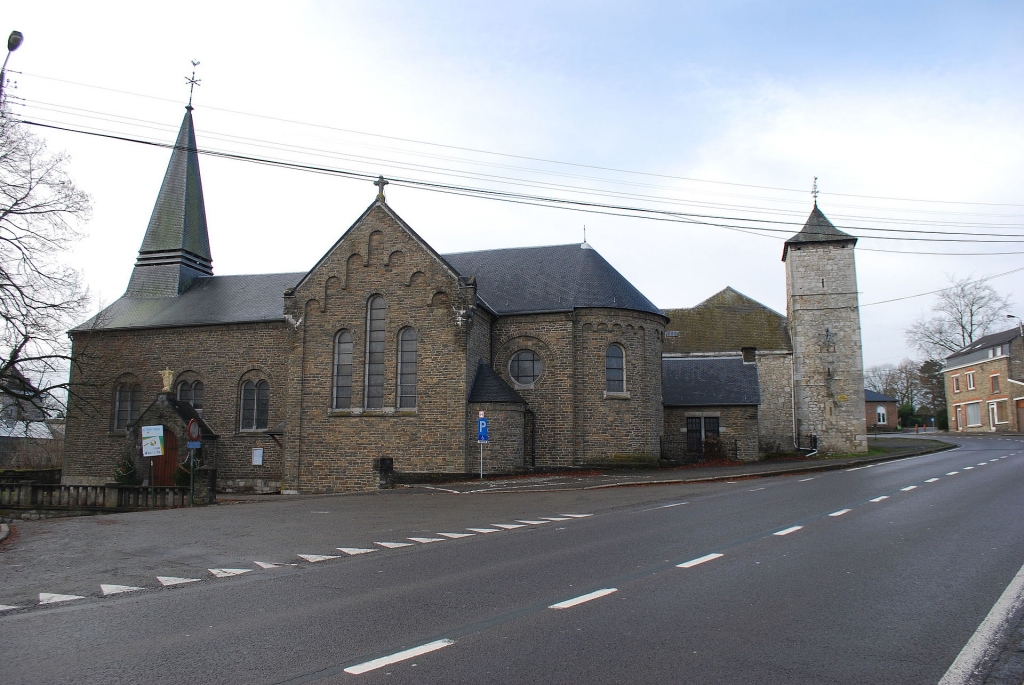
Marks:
<point>881,411</point>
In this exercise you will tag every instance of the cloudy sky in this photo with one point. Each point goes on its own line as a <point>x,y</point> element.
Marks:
<point>907,112</point>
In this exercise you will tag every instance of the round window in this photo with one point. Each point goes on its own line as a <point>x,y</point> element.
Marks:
<point>525,367</point>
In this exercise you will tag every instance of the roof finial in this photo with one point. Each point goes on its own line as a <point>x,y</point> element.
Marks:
<point>192,82</point>
<point>380,183</point>
<point>814,191</point>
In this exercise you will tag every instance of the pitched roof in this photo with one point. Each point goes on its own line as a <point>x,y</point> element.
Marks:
<point>557,278</point>
<point>708,381</point>
<point>488,386</point>
<point>818,229</point>
<point>978,347</point>
<point>727,321</point>
<point>872,396</point>
<point>208,301</point>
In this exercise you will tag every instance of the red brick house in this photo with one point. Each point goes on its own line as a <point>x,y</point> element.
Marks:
<point>880,411</point>
<point>985,384</point>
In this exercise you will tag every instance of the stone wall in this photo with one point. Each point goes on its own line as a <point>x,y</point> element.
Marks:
<point>775,414</point>
<point>738,426</point>
<point>505,431</point>
<point>220,356</point>
<point>824,324</point>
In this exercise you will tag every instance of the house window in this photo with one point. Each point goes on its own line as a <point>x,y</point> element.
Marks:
<point>614,369</point>
<point>974,414</point>
<point>970,380</point>
<point>343,370</point>
<point>193,393</point>
<point>255,405</point>
<point>375,353</point>
<point>407,369</point>
<point>995,384</point>
<point>998,412</point>
<point>881,415</point>
<point>701,430</point>
<point>126,404</point>
<point>956,383</point>
<point>525,367</point>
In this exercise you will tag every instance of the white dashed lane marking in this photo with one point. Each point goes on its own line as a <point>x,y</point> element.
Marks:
<point>699,560</point>
<point>484,530</point>
<point>532,523</point>
<point>840,512</point>
<point>879,499</point>
<point>968,468</point>
<point>931,480</point>
<point>267,564</point>
<point>399,656</point>
<point>7,607</point>
<point>583,598</point>
<point>908,488</point>
<point>455,536</point>
<point>509,526</point>
<point>804,480</point>
<point>353,551</point>
<point>391,545</point>
<point>228,572</point>
<point>789,530</point>
<point>952,473</point>
<point>426,541</point>
<point>117,589</point>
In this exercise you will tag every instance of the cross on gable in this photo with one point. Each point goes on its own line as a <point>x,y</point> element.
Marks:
<point>380,183</point>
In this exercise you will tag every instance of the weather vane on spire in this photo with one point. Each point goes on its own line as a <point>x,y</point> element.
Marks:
<point>814,191</point>
<point>192,82</point>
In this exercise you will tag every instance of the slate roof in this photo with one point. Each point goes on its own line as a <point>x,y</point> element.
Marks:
<point>557,278</point>
<point>488,386</point>
<point>978,349</point>
<point>178,221</point>
<point>208,301</point>
<point>708,381</point>
<point>726,322</point>
<point>872,396</point>
<point>818,229</point>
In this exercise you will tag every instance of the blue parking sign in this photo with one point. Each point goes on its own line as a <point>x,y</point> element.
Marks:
<point>481,430</point>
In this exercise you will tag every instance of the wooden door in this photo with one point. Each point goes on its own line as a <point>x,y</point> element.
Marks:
<point>166,463</point>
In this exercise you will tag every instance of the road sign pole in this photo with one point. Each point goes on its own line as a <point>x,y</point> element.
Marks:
<point>481,460</point>
<point>192,478</point>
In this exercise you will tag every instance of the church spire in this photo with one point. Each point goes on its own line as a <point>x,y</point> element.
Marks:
<point>176,249</point>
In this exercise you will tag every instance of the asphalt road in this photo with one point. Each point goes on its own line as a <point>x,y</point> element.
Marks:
<point>872,575</point>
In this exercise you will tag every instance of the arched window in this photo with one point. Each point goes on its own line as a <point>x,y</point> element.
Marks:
<point>375,353</point>
<point>407,369</point>
<point>127,398</point>
<point>614,369</point>
<point>255,405</point>
<point>881,415</point>
<point>193,393</point>
<point>343,370</point>
<point>525,367</point>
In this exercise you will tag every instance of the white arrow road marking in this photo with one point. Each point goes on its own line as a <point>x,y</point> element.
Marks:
<point>532,523</point>
<point>393,545</point>
<point>398,656</point>
<point>583,598</point>
<point>455,536</point>
<point>355,550</point>
<point>174,580</point>
<point>578,516</point>
<point>789,530</point>
<point>840,512</point>
<point>7,607</point>
<point>484,530</point>
<point>267,564</point>
<point>908,488</point>
<point>228,572</point>
<point>50,598</point>
<point>931,480</point>
<point>426,541</point>
<point>879,499</point>
<point>117,589</point>
<point>699,560</point>
<point>508,526</point>
<point>314,558</point>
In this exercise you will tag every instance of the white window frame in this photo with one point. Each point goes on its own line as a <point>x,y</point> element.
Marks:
<point>956,382</point>
<point>994,386</point>
<point>970,380</point>
<point>967,414</point>
<point>881,415</point>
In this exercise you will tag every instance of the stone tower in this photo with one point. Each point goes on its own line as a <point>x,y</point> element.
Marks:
<point>823,316</point>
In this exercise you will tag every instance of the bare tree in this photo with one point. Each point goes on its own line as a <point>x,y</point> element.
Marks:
<point>41,210</point>
<point>900,381</point>
<point>965,311</point>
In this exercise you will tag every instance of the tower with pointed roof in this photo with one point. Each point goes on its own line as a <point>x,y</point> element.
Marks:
<point>823,317</point>
<point>176,248</point>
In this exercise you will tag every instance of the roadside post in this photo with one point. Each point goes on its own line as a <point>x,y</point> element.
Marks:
<point>193,444</point>
<point>482,438</point>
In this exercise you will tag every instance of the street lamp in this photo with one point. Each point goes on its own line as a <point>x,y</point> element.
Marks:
<point>13,43</point>
<point>1020,324</point>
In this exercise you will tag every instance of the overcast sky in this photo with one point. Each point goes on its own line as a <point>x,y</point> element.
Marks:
<point>914,101</point>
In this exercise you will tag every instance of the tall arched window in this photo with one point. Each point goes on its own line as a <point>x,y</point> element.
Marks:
<point>375,353</point>
<point>127,399</point>
<point>343,370</point>
<point>881,415</point>
<point>193,393</point>
<point>255,405</point>
<point>614,369</point>
<point>407,369</point>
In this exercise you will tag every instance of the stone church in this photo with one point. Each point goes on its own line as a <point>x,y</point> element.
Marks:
<point>384,354</point>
